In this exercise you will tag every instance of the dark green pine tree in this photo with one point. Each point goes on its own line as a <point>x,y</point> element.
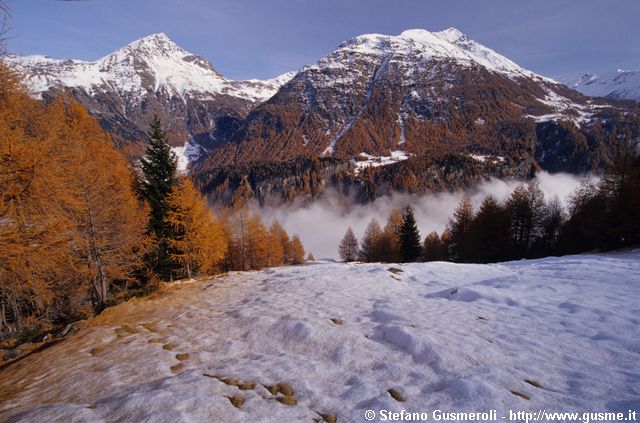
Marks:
<point>410,248</point>
<point>159,176</point>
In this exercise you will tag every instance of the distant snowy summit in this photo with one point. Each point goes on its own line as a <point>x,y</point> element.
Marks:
<point>151,76</point>
<point>619,84</point>
<point>153,63</point>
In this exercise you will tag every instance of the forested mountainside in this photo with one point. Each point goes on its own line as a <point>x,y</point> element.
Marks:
<point>272,183</point>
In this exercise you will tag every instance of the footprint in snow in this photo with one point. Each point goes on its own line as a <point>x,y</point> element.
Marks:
<point>151,327</point>
<point>284,389</point>
<point>125,330</point>
<point>327,418</point>
<point>396,395</point>
<point>97,351</point>
<point>236,400</point>
<point>520,394</point>
<point>243,386</point>
<point>533,383</point>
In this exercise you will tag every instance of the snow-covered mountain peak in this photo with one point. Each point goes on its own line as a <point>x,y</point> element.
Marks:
<point>365,43</point>
<point>158,39</point>
<point>151,46</point>
<point>420,45</point>
<point>157,42</point>
<point>151,63</point>
<point>159,53</point>
<point>451,34</point>
<point>586,78</point>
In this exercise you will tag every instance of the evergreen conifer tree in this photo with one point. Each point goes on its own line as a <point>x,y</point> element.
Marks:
<point>410,248</point>
<point>525,208</point>
<point>159,177</point>
<point>488,233</point>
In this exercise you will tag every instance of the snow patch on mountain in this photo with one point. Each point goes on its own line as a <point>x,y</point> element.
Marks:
<point>565,109</point>
<point>484,158</point>
<point>364,160</point>
<point>188,153</point>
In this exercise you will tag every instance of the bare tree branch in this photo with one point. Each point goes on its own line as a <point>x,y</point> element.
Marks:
<point>5,15</point>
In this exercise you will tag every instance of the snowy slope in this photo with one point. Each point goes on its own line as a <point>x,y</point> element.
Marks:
<point>621,84</point>
<point>562,332</point>
<point>152,63</point>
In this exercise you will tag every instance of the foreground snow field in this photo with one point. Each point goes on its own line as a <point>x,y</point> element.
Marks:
<point>562,332</point>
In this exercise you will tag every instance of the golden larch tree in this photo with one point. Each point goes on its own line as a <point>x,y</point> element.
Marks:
<point>275,251</point>
<point>110,223</point>
<point>297,250</point>
<point>34,232</point>
<point>200,244</point>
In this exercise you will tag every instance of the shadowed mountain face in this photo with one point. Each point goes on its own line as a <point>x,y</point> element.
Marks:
<point>418,111</point>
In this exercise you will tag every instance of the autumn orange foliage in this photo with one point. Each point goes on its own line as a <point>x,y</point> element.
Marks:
<point>71,228</point>
<point>73,233</point>
<point>200,243</point>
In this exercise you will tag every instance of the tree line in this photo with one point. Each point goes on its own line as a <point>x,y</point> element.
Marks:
<point>82,228</point>
<point>398,241</point>
<point>598,217</point>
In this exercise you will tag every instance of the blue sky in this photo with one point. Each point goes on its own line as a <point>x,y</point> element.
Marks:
<point>264,38</point>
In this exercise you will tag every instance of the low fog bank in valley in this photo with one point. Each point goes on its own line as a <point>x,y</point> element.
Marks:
<point>322,223</point>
